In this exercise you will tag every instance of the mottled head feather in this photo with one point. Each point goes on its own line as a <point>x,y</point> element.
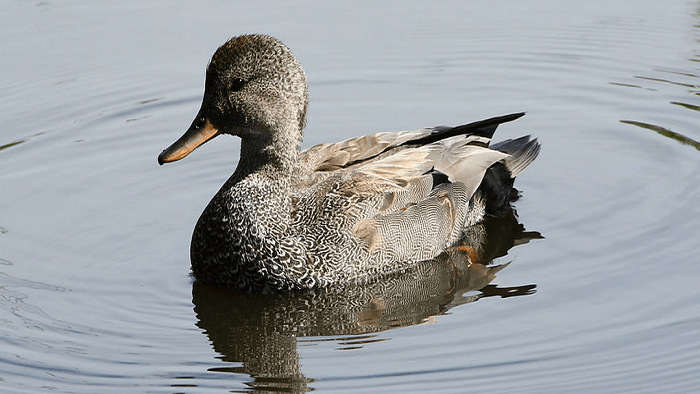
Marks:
<point>255,83</point>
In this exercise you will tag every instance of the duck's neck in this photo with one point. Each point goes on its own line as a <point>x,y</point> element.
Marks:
<point>273,155</point>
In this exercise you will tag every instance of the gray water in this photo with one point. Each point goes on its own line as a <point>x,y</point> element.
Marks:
<point>95,293</point>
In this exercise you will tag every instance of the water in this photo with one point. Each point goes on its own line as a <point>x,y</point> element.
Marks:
<point>94,236</point>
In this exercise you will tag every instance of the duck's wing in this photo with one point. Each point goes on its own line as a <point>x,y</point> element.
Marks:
<point>405,166</point>
<point>414,203</point>
<point>354,151</point>
<point>409,191</point>
<point>416,171</point>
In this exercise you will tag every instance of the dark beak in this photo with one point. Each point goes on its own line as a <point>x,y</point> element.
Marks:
<point>199,132</point>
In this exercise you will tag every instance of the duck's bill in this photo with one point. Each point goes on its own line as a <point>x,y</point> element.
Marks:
<point>200,132</point>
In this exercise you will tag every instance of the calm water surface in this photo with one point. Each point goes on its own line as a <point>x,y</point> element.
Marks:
<point>94,236</point>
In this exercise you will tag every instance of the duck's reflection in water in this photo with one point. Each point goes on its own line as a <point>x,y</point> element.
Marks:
<point>259,332</point>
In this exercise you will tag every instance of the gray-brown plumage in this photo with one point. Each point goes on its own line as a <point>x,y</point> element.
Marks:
<point>290,219</point>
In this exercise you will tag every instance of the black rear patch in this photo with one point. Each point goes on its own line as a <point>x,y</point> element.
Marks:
<point>497,190</point>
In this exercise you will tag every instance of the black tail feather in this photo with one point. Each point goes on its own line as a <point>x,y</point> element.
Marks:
<point>482,128</point>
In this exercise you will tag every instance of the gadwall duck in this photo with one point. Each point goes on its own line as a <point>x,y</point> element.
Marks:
<point>297,219</point>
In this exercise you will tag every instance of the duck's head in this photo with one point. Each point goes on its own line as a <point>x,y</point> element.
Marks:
<point>255,89</point>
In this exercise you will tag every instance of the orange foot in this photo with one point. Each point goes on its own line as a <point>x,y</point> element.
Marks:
<point>469,251</point>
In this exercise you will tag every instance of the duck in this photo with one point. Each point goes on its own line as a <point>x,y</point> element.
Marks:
<point>291,219</point>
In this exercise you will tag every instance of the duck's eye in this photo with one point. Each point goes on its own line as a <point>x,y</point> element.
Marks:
<point>237,84</point>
